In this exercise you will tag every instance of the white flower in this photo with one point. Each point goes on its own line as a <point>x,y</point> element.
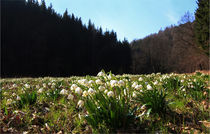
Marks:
<point>27,86</point>
<point>106,91</point>
<point>110,94</point>
<point>149,87</point>
<point>18,97</point>
<point>109,77</point>
<point>14,85</point>
<point>44,85</point>
<point>70,97</point>
<point>99,82</point>
<point>9,101</point>
<point>78,90</point>
<point>155,83</point>
<point>113,83</point>
<point>121,83</point>
<point>140,79</point>
<point>40,90</point>
<point>85,94</point>
<point>83,82</point>
<point>80,103</point>
<point>101,74</point>
<point>13,94</point>
<point>91,91</point>
<point>64,92</point>
<point>73,86</point>
<point>91,82</point>
<point>138,87</point>
<point>101,88</point>
<point>183,89</point>
<point>182,81</point>
<point>134,84</point>
<point>134,95</point>
<point>37,86</point>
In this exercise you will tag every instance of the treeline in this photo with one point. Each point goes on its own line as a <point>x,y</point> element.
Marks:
<point>37,41</point>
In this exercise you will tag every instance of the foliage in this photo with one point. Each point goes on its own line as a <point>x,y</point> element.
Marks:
<point>202,24</point>
<point>155,101</point>
<point>27,99</point>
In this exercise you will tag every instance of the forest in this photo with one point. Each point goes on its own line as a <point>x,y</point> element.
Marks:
<point>36,41</point>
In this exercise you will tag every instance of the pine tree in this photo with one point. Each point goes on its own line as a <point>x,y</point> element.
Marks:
<point>202,24</point>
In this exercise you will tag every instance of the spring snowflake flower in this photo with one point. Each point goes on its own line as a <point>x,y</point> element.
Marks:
<point>44,85</point>
<point>99,82</point>
<point>110,94</point>
<point>101,88</point>
<point>9,101</point>
<point>85,94</point>
<point>101,74</point>
<point>140,79</point>
<point>106,91</point>
<point>78,90</point>
<point>155,83</point>
<point>14,85</point>
<point>138,87</point>
<point>80,103</point>
<point>27,86</point>
<point>18,98</point>
<point>109,77</point>
<point>134,84</point>
<point>121,83</point>
<point>91,91</point>
<point>113,83</point>
<point>73,86</point>
<point>64,92</point>
<point>40,90</point>
<point>91,82</point>
<point>134,95</point>
<point>37,86</point>
<point>83,82</point>
<point>149,87</point>
<point>70,97</point>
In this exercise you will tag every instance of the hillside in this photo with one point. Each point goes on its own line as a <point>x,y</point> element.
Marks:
<point>171,50</point>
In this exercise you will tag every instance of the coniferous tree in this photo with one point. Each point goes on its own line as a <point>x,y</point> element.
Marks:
<point>37,41</point>
<point>202,24</point>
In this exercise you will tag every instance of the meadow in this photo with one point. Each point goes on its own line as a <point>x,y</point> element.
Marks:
<point>106,103</point>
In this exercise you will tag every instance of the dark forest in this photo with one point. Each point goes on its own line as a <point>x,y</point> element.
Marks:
<point>37,41</point>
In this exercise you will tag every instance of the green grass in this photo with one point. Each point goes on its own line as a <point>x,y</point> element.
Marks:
<point>166,103</point>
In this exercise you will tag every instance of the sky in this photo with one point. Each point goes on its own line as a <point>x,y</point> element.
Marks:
<point>130,19</point>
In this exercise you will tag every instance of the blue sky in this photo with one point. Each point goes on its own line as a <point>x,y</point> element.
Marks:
<point>131,19</point>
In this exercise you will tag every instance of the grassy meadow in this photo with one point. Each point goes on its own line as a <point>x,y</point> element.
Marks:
<point>106,103</point>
